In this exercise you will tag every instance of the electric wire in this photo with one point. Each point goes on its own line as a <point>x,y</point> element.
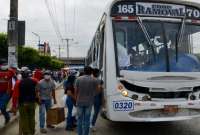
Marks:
<point>54,15</point>
<point>65,22</point>
<point>51,17</point>
<point>54,9</point>
<point>53,20</point>
<point>74,18</point>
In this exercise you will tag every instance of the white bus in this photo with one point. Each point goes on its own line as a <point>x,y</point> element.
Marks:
<point>149,56</point>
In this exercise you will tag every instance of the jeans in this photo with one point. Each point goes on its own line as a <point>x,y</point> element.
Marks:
<point>27,118</point>
<point>70,119</point>
<point>4,99</point>
<point>44,107</point>
<point>97,108</point>
<point>83,113</point>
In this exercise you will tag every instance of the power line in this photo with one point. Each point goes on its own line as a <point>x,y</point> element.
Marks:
<point>51,17</point>
<point>54,22</point>
<point>74,17</point>
<point>65,23</point>
<point>53,9</point>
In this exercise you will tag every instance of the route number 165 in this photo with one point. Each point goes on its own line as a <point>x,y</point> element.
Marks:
<point>125,9</point>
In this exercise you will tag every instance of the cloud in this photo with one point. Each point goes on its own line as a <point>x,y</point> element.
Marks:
<point>81,28</point>
<point>35,13</point>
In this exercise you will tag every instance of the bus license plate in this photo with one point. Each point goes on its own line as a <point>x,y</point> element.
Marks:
<point>123,105</point>
<point>171,109</point>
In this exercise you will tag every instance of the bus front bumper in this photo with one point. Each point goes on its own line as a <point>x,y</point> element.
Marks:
<point>154,111</point>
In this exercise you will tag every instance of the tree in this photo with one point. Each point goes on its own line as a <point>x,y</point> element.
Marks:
<point>29,57</point>
<point>45,62</point>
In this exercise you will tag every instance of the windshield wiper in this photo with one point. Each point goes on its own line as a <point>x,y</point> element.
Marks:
<point>147,36</point>
<point>166,48</point>
<point>180,37</point>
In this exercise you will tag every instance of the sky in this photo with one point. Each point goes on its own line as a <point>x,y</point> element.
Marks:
<point>80,16</point>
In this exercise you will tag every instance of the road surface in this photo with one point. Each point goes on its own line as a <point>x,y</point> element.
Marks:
<point>105,127</point>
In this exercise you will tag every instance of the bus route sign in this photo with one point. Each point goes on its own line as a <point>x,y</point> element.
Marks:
<point>128,8</point>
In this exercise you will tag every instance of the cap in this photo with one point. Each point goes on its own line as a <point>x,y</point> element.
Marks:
<point>47,72</point>
<point>24,69</point>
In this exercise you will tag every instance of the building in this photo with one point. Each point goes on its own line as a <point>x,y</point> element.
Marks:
<point>45,49</point>
<point>74,61</point>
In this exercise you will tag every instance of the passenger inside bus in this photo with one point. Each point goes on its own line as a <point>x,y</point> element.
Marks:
<point>137,54</point>
<point>123,57</point>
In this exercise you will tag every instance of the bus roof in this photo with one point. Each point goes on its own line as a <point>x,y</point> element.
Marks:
<point>194,3</point>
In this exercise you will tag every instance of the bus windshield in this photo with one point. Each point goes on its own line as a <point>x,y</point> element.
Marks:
<point>157,46</point>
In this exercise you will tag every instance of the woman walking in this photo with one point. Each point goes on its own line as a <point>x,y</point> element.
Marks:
<point>70,101</point>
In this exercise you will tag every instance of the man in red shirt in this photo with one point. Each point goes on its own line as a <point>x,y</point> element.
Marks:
<point>6,75</point>
<point>24,98</point>
<point>38,74</point>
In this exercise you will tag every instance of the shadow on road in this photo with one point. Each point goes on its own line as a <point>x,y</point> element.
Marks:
<point>160,128</point>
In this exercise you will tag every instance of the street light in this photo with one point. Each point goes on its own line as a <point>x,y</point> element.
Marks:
<point>37,36</point>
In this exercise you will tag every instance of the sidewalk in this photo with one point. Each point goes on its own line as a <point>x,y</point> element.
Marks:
<point>14,118</point>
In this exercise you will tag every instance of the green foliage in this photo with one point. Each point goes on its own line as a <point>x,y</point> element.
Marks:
<point>45,62</point>
<point>31,58</point>
<point>57,64</point>
<point>3,46</point>
<point>28,57</point>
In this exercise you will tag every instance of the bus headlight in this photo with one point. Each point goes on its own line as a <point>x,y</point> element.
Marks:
<point>146,98</point>
<point>125,93</point>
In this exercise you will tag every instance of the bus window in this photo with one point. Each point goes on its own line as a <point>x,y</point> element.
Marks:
<point>101,53</point>
<point>164,53</point>
<point>121,47</point>
<point>195,45</point>
<point>121,37</point>
<point>94,54</point>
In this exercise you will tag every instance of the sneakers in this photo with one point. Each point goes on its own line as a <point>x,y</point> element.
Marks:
<point>93,129</point>
<point>43,131</point>
<point>69,129</point>
<point>7,120</point>
<point>50,126</point>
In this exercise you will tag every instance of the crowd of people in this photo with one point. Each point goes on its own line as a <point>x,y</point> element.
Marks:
<point>26,88</point>
<point>86,94</point>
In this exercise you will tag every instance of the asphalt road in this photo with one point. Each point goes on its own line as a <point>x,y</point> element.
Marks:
<point>105,127</point>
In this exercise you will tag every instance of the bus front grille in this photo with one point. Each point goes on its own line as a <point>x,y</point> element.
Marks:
<point>162,93</point>
<point>183,94</point>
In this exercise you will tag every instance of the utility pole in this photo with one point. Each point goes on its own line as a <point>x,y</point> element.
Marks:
<point>59,51</point>
<point>67,40</point>
<point>13,34</point>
